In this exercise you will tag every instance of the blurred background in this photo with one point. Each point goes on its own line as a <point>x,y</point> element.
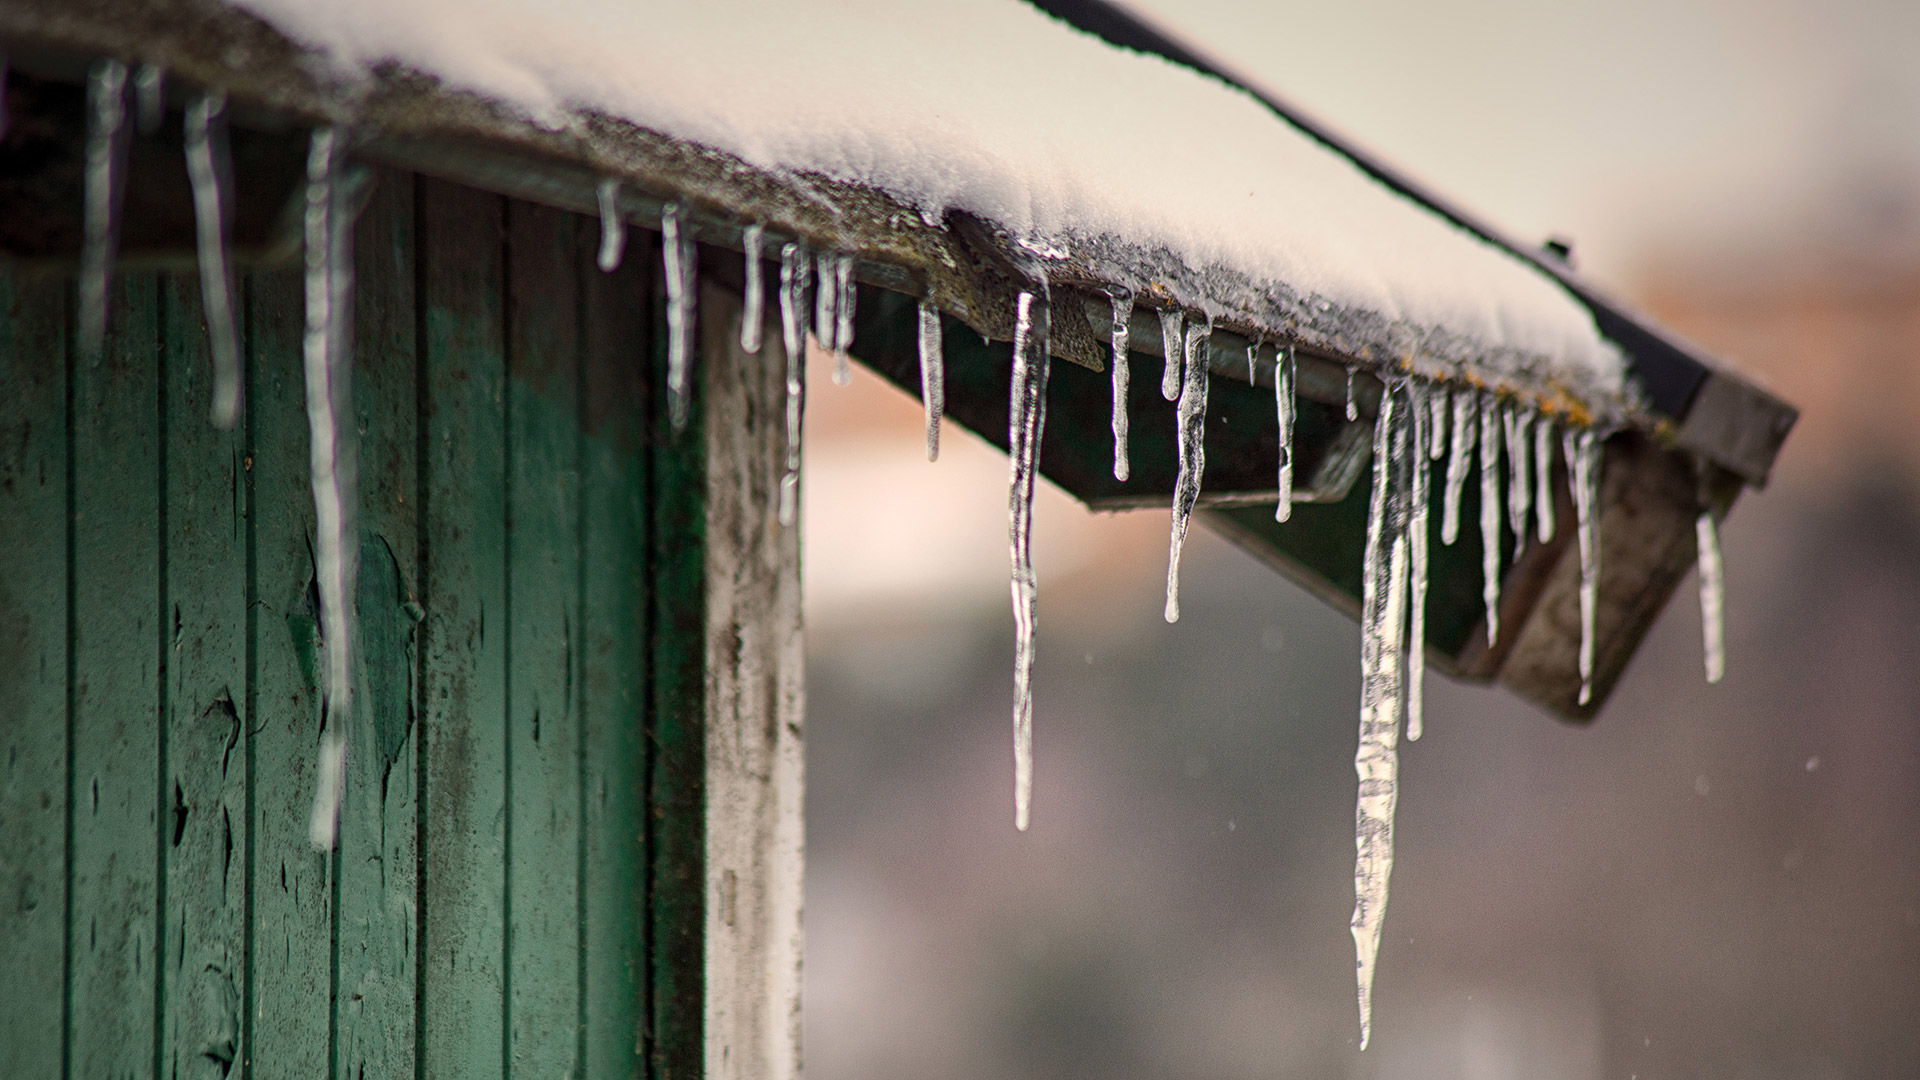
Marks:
<point>1706,882</point>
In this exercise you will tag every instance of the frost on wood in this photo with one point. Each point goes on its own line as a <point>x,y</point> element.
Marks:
<point>106,152</point>
<point>1026,423</point>
<point>1490,425</point>
<point>678,252</point>
<point>1122,326</point>
<point>332,456</point>
<point>794,262</point>
<point>613,228</point>
<point>933,375</point>
<point>1283,414</point>
<point>1193,454</point>
<point>753,306</point>
<point>207,172</point>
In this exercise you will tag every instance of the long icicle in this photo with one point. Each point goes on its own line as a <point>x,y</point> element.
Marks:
<point>1192,451</point>
<point>613,227</point>
<point>1582,449</point>
<point>1122,323</point>
<point>1490,425</point>
<point>1376,762</point>
<point>332,458</point>
<point>1543,477</point>
<point>1170,342</point>
<point>844,295</point>
<point>207,172</point>
<point>1519,422</point>
<point>678,251</point>
<point>1419,499</point>
<point>106,152</point>
<point>1353,406</point>
<point>1283,412</point>
<point>1437,421</point>
<point>794,262</point>
<point>1459,460</point>
<point>753,304</point>
<point>933,375</point>
<point>1026,423</point>
<point>1713,595</point>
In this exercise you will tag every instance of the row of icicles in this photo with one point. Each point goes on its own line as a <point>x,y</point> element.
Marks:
<point>1419,423</point>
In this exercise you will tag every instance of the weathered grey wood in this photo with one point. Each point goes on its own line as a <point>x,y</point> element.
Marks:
<point>205,786</point>
<point>754,692</point>
<point>118,754</point>
<point>464,688</point>
<point>33,674</point>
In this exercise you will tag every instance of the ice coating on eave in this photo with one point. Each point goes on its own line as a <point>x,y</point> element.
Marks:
<point>933,103</point>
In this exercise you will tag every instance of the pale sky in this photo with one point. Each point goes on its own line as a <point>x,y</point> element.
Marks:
<point>1624,123</point>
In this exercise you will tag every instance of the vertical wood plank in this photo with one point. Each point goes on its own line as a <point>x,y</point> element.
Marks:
<point>33,673</point>
<point>119,756</point>
<point>614,676</point>
<point>375,1006</point>
<point>290,955</point>
<point>205,787</point>
<point>543,716</point>
<point>465,662</point>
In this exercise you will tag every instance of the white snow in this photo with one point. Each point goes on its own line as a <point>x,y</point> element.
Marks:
<point>987,106</point>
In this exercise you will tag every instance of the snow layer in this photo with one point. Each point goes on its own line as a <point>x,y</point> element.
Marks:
<point>987,106</point>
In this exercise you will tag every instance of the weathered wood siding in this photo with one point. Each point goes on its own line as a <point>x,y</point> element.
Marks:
<point>521,887</point>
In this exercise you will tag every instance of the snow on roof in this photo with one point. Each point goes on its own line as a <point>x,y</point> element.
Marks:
<point>993,108</point>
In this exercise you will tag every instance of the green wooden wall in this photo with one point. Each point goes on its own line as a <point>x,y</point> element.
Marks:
<point>518,888</point>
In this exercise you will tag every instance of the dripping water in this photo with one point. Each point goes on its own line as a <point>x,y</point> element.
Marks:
<point>678,251</point>
<point>1026,423</point>
<point>753,304</point>
<point>207,170</point>
<point>1122,321</point>
<point>1192,450</point>
<point>933,376</point>
<point>613,227</point>
<point>105,163</point>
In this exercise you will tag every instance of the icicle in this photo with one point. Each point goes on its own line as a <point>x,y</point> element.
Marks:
<point>1519,422</point>
<point>1253,363</point>
<point>1026,423</point>
<point>149,98</point>
<point>331,433</point>
<point>1170,338</point>
<point>105,162</point>
<point>1582,450</point>
<point>1193,453</point>
<point>613,227</point>
<point>1490,425</point>
<point>205,126</point>
<point>753,305</point>
<point>1283,411</point>
<point>1420,397</point>
<point>844,293</point>
<point>1353,407</point>
<point>826,306</point>
<point>1712,595</point>
<point>1437,421</point>
<point>1382,626</point>
<point>793,336</point>
<point>1459,461</point>
<point>678,250</point>
<point>1122,320</point>
<point>1543,477</point>
<point>933,376</point>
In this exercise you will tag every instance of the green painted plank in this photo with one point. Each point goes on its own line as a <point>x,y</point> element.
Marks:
<point>118,753</point>
<point>205,788</point>
<point>375,914</point>
<point>33,672</point>
<point>287,1018</point>
<point>464,670</point>
<point>543,740</point>
<point>614,676</point>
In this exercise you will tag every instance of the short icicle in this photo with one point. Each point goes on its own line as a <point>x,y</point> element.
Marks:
<point>1193,453</point>
<point>1419,499</point>
<point>1543,477</point>
<point>1283,412</point>
<point>1582,450</point>
<point>1026,423</point>
<point>1170,343</point>
<point>678,252</point>
<point>933,375</point>
<point>1490,431</point>
<point>1519,423</point>
<point>1383,578</point>
<point>332,459</point>
<point>794,262</point>
<point>1353,406</point>
<point>613,227</point>
<point>149,98</point>
<point>1437,421</point>
<point>1459,460</point>
<point>102,184</point>
<point>207,172</point>
<point>1122,323</point>
<point>753,303</point>
<point>1713,595</point>
<point>844,295</point>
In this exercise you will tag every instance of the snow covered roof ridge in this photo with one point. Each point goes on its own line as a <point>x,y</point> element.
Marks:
<point>870,126</point>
